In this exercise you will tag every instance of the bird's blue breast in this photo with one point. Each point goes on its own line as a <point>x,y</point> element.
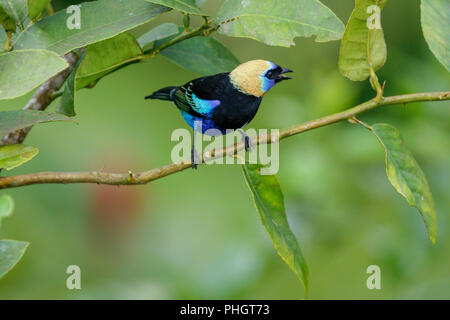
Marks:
<point>207,123</point>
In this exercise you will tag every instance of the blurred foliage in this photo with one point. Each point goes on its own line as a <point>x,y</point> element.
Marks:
<point>196,234</point>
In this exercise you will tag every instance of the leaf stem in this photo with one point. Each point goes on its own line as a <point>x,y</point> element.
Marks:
<point>50,9</point>
<point>8,45</point>
<point>158,173</point>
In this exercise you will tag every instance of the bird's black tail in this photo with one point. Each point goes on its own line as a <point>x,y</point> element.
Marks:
<point>162,94</point>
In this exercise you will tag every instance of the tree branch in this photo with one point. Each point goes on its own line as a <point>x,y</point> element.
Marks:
<point>154,174</point>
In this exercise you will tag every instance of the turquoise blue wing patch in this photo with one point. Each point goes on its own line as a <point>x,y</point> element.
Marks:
<point>204,107</point>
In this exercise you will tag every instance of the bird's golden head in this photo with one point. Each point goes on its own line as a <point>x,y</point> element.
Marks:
<point>256,77</point>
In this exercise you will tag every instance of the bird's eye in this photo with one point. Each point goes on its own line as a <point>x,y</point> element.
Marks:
<point>269,74</point>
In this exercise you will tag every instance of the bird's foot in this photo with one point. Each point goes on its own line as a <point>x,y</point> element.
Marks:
<point>247,141</point>
<point>195,158</point>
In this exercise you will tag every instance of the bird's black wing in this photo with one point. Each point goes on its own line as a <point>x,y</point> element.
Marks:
<point>204,89</point>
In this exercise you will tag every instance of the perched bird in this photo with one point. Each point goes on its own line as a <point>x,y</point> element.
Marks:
<point>224,101</point>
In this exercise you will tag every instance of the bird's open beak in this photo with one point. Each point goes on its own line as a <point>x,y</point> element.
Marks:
<point>282,75</point>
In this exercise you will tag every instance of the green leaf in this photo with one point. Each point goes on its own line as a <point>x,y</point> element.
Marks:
<point>186,6</point>
<point>67,104</point>
<point>14,155</point>
<point>35,7</point>
<point>277,23</point>
<point>2,40</point>
<point>105,56</point>
<point>11,251</point>
<point>16,9</point>
<point>24,70</point>
<point>6,206</point>
<point>100,20</point>
<point>269,202</point>
<point>204,55</point>
<point>162,31</point>
<point>15,120</point>
<point>406,176</point>
<point>361,46</point>
<point>7,20</point>
<point>436,28</point>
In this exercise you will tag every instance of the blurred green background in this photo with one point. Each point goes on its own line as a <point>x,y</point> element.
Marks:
<point>196,234</point>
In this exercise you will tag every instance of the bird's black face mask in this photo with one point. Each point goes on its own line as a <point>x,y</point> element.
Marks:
<point>278,74</point>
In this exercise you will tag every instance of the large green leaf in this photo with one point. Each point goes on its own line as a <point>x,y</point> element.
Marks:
<point>436,28</point>
<point>35,7</point>
<point>67,104</point>
<point>406,176</point>
<point>15,120</point>
<point>100,20</point>
<point>160,32</point>
<point>6,206</point>
<point>187,6</point>
<point>362,47</point>
<point>17,9</point>
<point>277,23</point>
<point>11,251</point>
<point>105,56</point>
<point>14,155</point>
<point>204,55</point>
<point>23,70</point>
<point>269,202</point>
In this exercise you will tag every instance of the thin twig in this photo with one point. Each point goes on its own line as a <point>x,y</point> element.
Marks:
<point>154,174</point>
<point>204,30</point>
<point>200,31</point>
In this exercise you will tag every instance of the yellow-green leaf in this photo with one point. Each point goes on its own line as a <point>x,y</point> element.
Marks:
<point>105,56</point>
<point>204,55</point>
<point>269,202</point>
<point>436,28</point>
<point>186,6</point>
<point>6,206</point>
<point>7,20</point>
<point>160,32</point>
<point>35,7</point>
<point>406,176</point>
<point>23,70</point>
<point>15,120</point>
<point>67,104</point>
<point>2,39</point>
<point>16,9</point>
<point>363,43</point>
<point>11,251</point>
<point>100,20</point>
<point>277,23</point>
<point>14,155</point>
